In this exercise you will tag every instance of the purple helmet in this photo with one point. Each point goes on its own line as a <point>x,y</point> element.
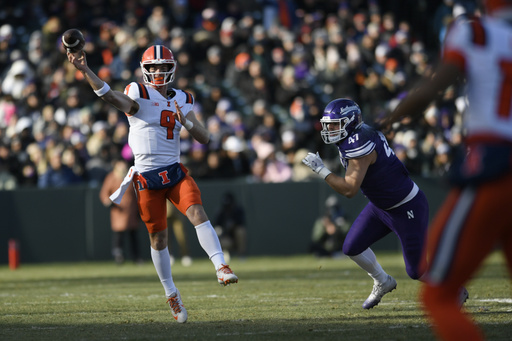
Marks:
<point>344,112</point>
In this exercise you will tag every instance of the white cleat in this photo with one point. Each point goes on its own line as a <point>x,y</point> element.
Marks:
<point>379,290</point>
<point>177,308</point>
<point>226,276</point>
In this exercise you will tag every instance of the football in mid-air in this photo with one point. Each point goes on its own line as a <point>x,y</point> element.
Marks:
<point>73,40</point>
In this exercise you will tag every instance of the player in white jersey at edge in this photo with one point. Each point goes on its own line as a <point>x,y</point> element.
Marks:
<point>156,113</point>
<point>474,218</point>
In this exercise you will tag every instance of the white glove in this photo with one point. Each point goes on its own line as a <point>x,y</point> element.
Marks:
<point>314,161</point>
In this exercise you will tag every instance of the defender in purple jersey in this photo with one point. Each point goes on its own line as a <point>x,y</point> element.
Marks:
<point>396,204</point>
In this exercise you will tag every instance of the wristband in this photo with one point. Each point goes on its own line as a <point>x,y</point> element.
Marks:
<point>188,124</point>
<point>324,172</point>
<point>103,90</point>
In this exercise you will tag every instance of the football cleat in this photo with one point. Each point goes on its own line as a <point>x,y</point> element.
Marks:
<point>177,308</point>
<point>226,276</point>
<point>379,290</point>
<point>463,296</point>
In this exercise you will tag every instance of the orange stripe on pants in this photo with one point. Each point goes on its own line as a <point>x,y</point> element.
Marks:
<point>487,223</point>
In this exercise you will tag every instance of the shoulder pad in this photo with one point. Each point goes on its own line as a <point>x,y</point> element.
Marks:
<point>474,26</point>
<point>359,143</point>
<point>190,98</point>
<point>143,91</point>
<point>478,31</point>
<point>136,90</point>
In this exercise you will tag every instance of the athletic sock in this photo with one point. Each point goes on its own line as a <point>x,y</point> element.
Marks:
<point>368,262</point>
<point>210,243</point>
<point>162,263</point>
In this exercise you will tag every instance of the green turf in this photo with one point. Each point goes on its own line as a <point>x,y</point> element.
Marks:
<point>277,298</point>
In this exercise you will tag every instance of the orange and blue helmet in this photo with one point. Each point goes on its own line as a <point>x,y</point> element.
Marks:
<point>158,55</point>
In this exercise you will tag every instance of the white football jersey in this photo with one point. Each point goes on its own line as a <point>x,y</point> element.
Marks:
<point>482,49</point>
<point>154,133</point>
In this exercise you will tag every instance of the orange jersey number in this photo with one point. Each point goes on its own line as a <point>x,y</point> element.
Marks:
<point>167,120</point>
<point>506,89</point>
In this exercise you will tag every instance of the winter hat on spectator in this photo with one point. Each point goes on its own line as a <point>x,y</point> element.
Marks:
<point>242,60</point>
<point>99,125</point>
<point>264,149</point>
<point>22,124</point>
<point>381,50</point>
<point>228,26</point>
<point>77,138</point>
<point>443,148</point>
<point>233,144</point>
<point>223,105</point>
<point>461,104</point>
<point>104,73</point>
<point>6,31</point>
<point>210,21</point>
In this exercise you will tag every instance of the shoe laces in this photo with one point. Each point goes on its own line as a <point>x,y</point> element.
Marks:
<point>174,304</point>
<point>377,287</point>
<point>225,269</point>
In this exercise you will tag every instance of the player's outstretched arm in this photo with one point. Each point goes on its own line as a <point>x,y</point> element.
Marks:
<point>424,93</point>
<point>101,88</point>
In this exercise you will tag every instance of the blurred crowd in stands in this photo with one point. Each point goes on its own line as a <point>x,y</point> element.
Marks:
<point>261,72</point>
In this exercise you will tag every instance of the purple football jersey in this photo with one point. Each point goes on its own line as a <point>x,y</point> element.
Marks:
<point>387,181</point>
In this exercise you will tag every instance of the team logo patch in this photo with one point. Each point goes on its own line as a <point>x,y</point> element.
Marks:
<point>163,177</point>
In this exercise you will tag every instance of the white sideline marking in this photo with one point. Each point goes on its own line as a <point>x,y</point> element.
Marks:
<point>498,300</point>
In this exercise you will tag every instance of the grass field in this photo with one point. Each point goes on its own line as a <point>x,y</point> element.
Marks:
<point>277,298</point>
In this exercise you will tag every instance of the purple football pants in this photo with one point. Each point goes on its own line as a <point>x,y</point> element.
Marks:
<point>409,222</point>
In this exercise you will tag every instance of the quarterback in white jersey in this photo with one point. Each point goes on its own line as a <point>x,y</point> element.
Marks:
<point>156,113</point>
<point>473,219</point>
<point>482,49</point>
<point>152,137</point>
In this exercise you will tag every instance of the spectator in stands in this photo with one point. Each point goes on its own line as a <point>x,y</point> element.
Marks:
<point>340,54</point>
<point>329,230</point>
<point>7,179</point>
<point>230,227</point>
<point>124,218</point>
<point>157,20</point>
<point>197,161</point>
<point>276,169</point>
<point>177,230</point>
<point>258,169</point>
<point>213,68</point>
<point>58,174</point>
<point>238,163</point>
<point>17,79</point>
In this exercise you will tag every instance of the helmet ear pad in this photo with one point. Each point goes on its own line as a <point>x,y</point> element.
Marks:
<point>158,54</point>
<point>340,118</point>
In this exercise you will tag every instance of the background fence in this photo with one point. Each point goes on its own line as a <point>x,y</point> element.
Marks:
<point>71,224</point>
